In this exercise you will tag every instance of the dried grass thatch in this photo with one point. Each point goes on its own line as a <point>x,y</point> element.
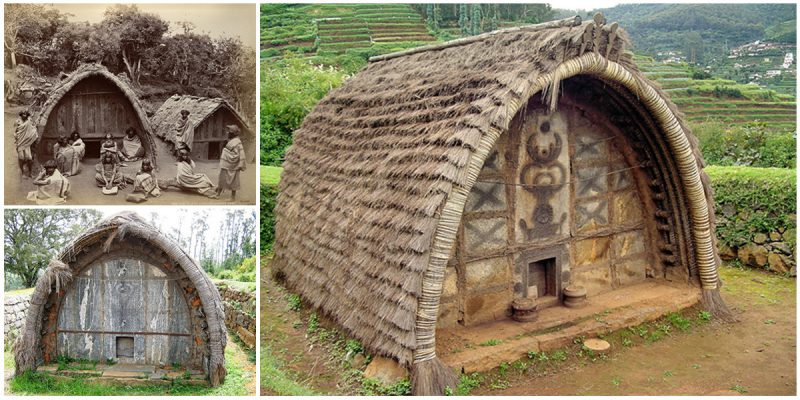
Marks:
<point>375,183</point>
<point>200,108</point>
<point>28,352</point>
<point>85,71</point>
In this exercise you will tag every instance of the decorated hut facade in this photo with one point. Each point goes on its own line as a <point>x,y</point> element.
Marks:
<point>209,117</point>
<point>94,102</point>
<point>125,292</point>
<point>441,185</point>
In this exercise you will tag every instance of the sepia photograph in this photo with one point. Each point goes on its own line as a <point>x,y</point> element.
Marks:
<point>113,301</point>
<point>556,199</point>
<point>124,104</point>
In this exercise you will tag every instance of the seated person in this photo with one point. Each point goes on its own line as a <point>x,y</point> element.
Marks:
<point>53,188</point>
<point>132,148</point>
<point>109,146</point>
<point>67,157</point>
<point>76,142</point>
<point>108,174</point>
<point>186,179</point>
<point>145,181</point>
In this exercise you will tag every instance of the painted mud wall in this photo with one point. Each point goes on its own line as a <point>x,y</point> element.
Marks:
<point>94,106</point>
<point>126,310</point>
<point>557,202</point>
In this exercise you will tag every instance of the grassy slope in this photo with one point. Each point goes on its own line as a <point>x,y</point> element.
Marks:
<point>270,175</point>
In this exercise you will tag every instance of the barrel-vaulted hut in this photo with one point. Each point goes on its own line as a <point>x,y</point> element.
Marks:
<point>94,102</point>
<point>440,184</point>
<point>209,117</point>
<point>126,292</point>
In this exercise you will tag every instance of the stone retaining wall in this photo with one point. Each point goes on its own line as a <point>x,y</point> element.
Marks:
<point>240,312</point>
<point>16,308</point>
<point>771,251</point>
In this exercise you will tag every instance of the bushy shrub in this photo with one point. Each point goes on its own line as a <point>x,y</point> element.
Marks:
<point>269,194</point>
<point>747,145</point>
<point>751,200</point>
<point>290,88</point>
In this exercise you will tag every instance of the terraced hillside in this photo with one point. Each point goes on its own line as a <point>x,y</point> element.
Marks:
<point>314,29</point>
<point>722,100</point>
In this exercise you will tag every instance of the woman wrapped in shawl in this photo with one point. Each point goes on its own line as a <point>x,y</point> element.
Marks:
<point>80,147</point>
<point>186,179</point>
<point>231,163</point>
<point>145,181</point>
<point>182,134</point>
<point>53,188</point>
<point>132,148</point>
<point>66,157</point>
<point>25,135</point>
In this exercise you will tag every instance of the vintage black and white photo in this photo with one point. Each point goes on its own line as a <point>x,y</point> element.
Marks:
<point>127,103</point>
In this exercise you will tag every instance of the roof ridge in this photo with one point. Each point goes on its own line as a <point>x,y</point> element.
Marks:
<point>561,23</point>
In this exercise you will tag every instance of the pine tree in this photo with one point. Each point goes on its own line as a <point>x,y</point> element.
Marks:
<point>475,28</point>
<point>463,19</point>
<point>429,20</point>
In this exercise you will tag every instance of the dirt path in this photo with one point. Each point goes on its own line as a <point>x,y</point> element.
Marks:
<point>756,356</point>
<point>85,191</point>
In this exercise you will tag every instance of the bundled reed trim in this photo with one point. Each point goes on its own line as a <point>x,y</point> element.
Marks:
<point>432,378</point>
<point>27,349</point>
<point>712,302</point>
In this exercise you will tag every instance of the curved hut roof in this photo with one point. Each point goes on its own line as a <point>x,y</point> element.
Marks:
<point>85,71</point>
<point>200,108</point>
<point>59,274</point>
<point>375,181</point>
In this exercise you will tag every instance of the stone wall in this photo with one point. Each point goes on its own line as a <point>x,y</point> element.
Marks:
<point>240,313</point>
<point>16,308</point>
<point>767,251</point>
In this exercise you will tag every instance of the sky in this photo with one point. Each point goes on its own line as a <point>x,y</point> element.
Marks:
<point>238,20</point>
<point>170,217</point>
<point>582,4</point>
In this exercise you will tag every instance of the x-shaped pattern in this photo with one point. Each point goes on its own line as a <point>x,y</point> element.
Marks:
<point>592,182</point>
<point>596,214</point>
<point>483,236</point>
<point>484,195</point>
<point>587,148</point>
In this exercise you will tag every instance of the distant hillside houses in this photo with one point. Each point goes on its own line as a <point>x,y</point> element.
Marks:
<point>757,48</point>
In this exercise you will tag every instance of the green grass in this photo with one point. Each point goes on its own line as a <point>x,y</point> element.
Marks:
<point>17,292</point>
<point>270,175</point>
<point>238,382</point>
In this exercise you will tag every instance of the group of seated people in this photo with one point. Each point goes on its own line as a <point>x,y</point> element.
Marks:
<point>53,185</point>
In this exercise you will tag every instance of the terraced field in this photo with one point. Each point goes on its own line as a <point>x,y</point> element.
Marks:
<point>721,100</point>
<point>336,28</point>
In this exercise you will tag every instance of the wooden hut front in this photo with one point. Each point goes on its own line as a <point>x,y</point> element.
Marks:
<point>93,102</point>
<point>210,136</point>
<point>127,310</point>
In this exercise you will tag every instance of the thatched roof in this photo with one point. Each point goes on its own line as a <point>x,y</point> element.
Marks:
<point>28,349</point>
<point>200,108</point>
<point>375,182</point>
<point>85,71</point>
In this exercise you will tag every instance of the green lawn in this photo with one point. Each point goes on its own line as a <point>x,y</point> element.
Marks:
<point>240,381</point>
<point>270,175</point>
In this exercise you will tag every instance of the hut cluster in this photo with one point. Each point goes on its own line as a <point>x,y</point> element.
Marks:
<point>94,102</point>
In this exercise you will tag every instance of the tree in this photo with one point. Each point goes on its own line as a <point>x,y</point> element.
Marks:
<point>463,20</point>
<point>475,27</point>
<point>34,236</point>
<point>136,33</point>
<point>27,27</point>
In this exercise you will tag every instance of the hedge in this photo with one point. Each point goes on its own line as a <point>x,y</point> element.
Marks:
<point>753,200</point>
<point>269,194</point>
<point>748,201</point>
